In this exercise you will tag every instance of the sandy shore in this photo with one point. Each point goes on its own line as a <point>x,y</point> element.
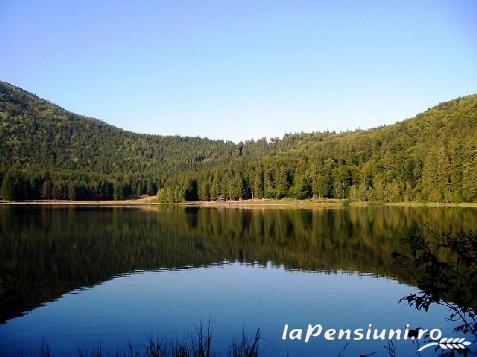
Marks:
<point>151,200</point>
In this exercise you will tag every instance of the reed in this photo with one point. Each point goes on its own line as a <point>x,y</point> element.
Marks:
<point>199,345</point>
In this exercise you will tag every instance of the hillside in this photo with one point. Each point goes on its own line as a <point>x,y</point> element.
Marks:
<point>55,148</point>
<point>47,152</point>
<point>431,157</point>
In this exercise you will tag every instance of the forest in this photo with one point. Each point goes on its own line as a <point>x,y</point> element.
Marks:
<point>47,152</point>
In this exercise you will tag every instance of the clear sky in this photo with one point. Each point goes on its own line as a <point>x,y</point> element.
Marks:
<point>241,69</point>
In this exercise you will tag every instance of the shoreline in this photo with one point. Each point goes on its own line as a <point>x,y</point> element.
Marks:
<point>144,201</point>
<point>331,203</point>
<point>245,204</point>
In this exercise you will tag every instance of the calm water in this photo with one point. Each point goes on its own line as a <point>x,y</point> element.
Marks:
<point>90,277</point>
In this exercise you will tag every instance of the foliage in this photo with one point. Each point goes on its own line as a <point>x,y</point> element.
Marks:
<point>449,278</point>
<point>47,152</point>
<point>432,157</point>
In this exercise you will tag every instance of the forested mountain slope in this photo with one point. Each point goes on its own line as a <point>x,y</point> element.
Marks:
<point>69,141</point>
<point>47,152</point>
<point>431,157</point>
<point>55,148</point>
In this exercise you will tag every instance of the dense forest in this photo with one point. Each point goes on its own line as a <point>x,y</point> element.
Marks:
<point>432,157</point>
<point>47,152</point>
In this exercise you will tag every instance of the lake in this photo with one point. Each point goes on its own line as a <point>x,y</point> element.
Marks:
<point>104,277</point>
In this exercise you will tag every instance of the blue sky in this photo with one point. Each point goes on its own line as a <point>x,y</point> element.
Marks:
<point>241,69</point>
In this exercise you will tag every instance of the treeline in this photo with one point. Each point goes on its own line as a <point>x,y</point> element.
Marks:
<point>47,152</point>
<point>29,184</point>
<point>305,178</point>
<point>36,133</point>
<point>432,157</point>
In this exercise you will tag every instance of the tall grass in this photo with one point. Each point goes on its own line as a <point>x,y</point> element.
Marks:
<point>199,345</point>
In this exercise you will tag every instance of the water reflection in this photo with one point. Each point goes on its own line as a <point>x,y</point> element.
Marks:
<point>46,252</point>
<point>445,270</point>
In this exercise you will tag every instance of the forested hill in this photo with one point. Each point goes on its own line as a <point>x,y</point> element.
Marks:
<point>431,157</point>
<point>52,149</point>
<point>47,152</point>
<point>36,132</point>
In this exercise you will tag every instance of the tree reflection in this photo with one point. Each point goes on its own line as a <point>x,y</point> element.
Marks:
<point>46,252</point>
<point>445,270</point>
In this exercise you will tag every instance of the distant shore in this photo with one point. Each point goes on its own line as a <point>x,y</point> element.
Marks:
<point>251,203</point>
<point>338,203</point>
<point>148,200</point>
